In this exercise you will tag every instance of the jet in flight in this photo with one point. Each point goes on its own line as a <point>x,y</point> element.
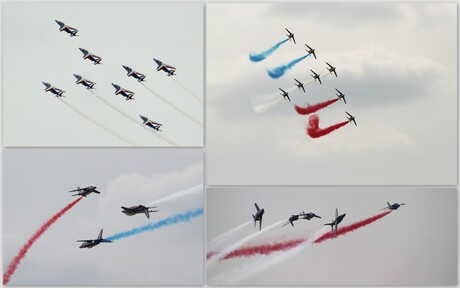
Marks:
<point>62,27</point>
<point>85,82</point>
<point>170,70</point>
<point>335,222</point>
<point>394,206</point>
<point>331,69</point>
<point>150,123</point>
<point>299,85</point>
<point>290,35</point>
<point>316,76</point>
<point>87,55</point>
<point>302,215</point>
<point>93,242</point>
<point>56,91</point>
<point>133,210</point>
<point>124,92</point>
<point>285,94</point>
<point>85,191</point>
<point>139,76</point>
<point>341,95</point>
<point>258,216</point>
<point>310,51</point>
<point>351,118</point>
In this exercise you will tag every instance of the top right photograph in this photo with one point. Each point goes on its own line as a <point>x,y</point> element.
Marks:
<point>331,94</point>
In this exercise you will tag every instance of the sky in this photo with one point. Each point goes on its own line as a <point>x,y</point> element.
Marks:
<point>35,185</point>
<point>122,34</point>
<point>414,245</point>
<point>396,64</point>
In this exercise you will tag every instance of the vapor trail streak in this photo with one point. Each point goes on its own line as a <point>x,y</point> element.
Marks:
<point>183,193</point>
<point>314,131</point>
<point>279,71</point>
<point>225,236</point>
<point>257,57</point>
<point>308,109</point>
<point>190,92</point>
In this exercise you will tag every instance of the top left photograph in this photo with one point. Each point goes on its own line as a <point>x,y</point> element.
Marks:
<point>102,74</point>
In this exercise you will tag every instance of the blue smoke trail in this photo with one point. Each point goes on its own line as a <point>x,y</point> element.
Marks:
<point>261,56</point>
<point>277,72</point>
<point>182,217</point>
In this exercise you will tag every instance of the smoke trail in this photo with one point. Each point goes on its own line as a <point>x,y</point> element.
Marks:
<point>313,108</point>
<point>185,88</point>
<point>224,237</point>
<point>131,119</point>
<point>262,103</point>
<point>265,249</point>
<point>261,56</point>
<point>182,217</point>
<point>183,193</point>
<point>97,123</point>
<point>277,72</point>
<point>314,131</point>
<point>172,105</point>
<point>345,229</point>
<point>15,262</point>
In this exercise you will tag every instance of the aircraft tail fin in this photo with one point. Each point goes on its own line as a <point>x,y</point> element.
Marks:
<point>100,234</point>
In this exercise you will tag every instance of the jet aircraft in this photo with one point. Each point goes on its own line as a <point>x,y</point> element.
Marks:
<point>139,76</point>
<point>124,92</point>
<point>331,69</point>
<point>170,70</point>
<point>351,118</point>
<point>335,222</point>
<point>93,242</point>
<point>85,191</point>
<point>258,216</point>
<point>85,82</point>
<point>133,210</point>
<point>150,123</point>
<point>316,76</point>
<point>285,94</point>
<point>62,27</point>
<point>56,91</point>
<point>301,215</point>
<point>310,51</point>
<point>290,35</point>
<point>299,85</point>
<point>394,206</point>
<point>87,55</point>
<point>341,95</point>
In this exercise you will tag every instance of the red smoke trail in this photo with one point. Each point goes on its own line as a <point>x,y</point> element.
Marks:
<point>265,249</point>
<point>344,230</point>
<point>15,262</point>
<point>313,108</point>
<point>314,131</point>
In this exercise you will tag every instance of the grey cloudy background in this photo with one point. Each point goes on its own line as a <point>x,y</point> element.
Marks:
<point>397,65</point>
<point>35,185</point>
<point>130,34</point>
<point>414,245</point>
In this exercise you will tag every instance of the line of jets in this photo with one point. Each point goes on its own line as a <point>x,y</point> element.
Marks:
<point>316,76</point>
<point>257,217</point>
<point>129,211</point>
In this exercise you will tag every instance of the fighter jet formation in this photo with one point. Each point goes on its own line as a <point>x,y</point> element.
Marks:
<point>93,242</point>
<point>90,56</point>
<point>131,73</point>
<point>170,70</point>
<point>133,210</point>
<point>85,82</point>
<point>394,206</point>
<point>123,92</point>
<point>85,191</point>
<point>56,91</point>
<point>258,216</point>
<point>316,76</point>
<point>310,51</point>
<point>285,94</point>
<point>290,35</point>
<point>351,118</point>
<point>70,30</point>
<point>301,215</point>
<point>150,123</point>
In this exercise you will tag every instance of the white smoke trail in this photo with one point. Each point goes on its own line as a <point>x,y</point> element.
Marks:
<point>224,237</point>
<point>238,244</point>
<point>172,105</point>
<point>132,119</point>
<point>183,193</point>
<point>190,92</point>
<point>97,123</point>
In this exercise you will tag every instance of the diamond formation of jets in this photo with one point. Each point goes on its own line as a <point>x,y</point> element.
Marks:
<point>85,191</point>
<point>124,92</point>
<point>290,35</point>
<point>133,210</point>
<point>92,57</point>
<point>351,118</point>
<point>85,82</point>
<point>285,94</point>
<point>131,73</point>
<point>258,216</point>
<point>394,206</point>
<point>93,242</point>
<point>170,70</point>
<point>301,215</point>
<point>299,85</point>
<point>152,124</point>
<point>62,27</point>
<point>310,51</point>
<point>341,96</point>
<point>56,91</point>
<point>335,222</point>
<point>316,76</point>
<point>331,69</point>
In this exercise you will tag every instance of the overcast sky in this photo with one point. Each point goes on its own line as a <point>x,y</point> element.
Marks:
<point>122,34</point>
<point>35,187</point>
<point>397,65</point>
<point>414,245</point>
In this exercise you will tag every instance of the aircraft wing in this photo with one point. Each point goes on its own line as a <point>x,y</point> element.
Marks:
<point>288,31</point>
<point>260,224</point>
<point>288,98</point>
<point>314,54</point>
<point>146,211</point>
<point>77,190</point>
<point>170,67</point>
<point>329,65</point>
<point>257,207</point>
<point>319,79</point>
<point>348,114</point>
<point>303,88</point>
<point>336,213</point>
<point>335,73</point>
<point>293,39</point>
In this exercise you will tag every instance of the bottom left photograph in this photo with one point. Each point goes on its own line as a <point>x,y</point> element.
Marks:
<point>95,216</point>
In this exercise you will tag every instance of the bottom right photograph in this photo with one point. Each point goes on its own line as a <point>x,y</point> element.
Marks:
<point>331,235</point>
